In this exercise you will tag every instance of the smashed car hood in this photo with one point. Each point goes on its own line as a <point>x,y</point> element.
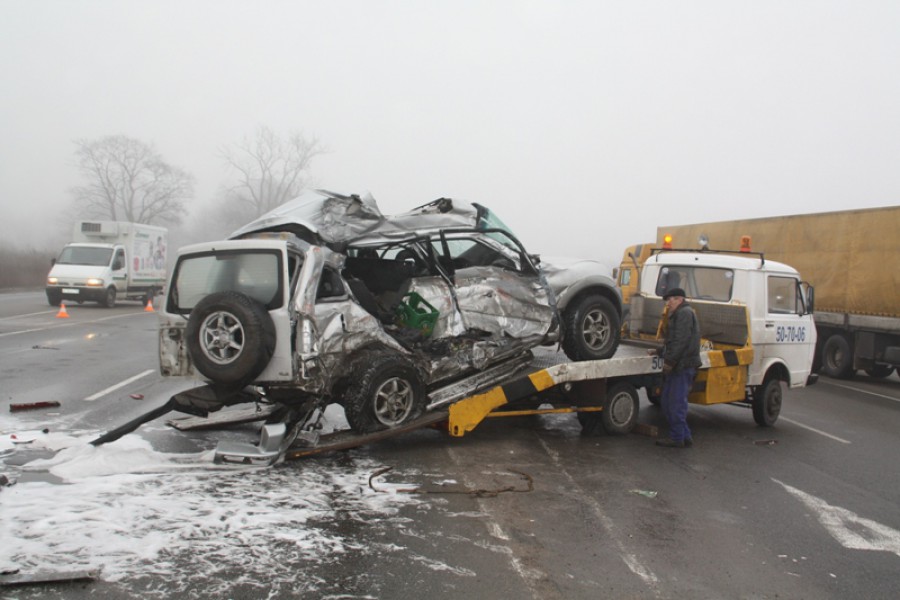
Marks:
<point>336,220</point>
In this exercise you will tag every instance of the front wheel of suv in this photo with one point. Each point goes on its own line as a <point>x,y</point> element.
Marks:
<point>592,328</point>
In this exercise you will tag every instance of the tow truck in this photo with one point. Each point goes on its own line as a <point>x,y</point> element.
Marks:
<point>757,335</point>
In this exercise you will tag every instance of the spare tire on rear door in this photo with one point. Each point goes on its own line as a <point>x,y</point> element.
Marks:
<point>230,337</point>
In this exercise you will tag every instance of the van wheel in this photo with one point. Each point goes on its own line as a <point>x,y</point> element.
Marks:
<point>230,338</point>
<point>619,414</point>
<point>109,300</point>
<point>386,393</point>
<point>591,329</point>
<point>879,371</point>
<point>837,357</point>
<point>767,402</point>
<point>54,298</point>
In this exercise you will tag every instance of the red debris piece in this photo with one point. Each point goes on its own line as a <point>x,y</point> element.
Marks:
<point>137,396</point>
<point>33,405</point>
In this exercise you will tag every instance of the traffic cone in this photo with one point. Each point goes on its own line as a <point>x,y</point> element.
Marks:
<point>62,314</point>
<point>149,307</point>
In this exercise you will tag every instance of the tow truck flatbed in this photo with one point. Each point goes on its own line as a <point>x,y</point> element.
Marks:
<point>549,379</point>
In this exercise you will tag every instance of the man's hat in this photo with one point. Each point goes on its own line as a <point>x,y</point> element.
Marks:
<point>674,292</point>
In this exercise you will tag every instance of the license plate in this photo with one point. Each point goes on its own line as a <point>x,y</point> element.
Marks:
<point>70,291</point>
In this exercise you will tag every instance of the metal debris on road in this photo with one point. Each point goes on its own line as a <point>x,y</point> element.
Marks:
<point>645,493</point>
<point>13,578</point>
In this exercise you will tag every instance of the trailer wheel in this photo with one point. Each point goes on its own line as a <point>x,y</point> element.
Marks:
<point>767,402</point>
<point>387,393</point>
<point>591,329</point>
<point>619,414</point>
<point>230,338</point>
<point>879,371</point>
<point>837,357</point>
<point>109,300</point>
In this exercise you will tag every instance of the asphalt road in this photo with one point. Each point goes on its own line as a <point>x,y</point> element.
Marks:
<point>522,507</point>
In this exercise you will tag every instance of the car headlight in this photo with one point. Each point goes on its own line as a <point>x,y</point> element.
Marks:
<point>94,282</point>
<point>52,281</point>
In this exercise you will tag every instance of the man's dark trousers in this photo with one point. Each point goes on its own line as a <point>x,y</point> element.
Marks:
<point>676,388</point>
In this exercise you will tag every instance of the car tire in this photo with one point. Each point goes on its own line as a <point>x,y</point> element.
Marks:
<point>592,329</point>
<point>109,300</point>
<point>54,298</point>
<point>619,414</point>
<point>837,357</point>
<point>880,371</point>
<point>386,392</point>
<point>230,337</point>
<point>767,402</point>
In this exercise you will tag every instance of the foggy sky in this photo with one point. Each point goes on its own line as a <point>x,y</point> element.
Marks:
<point>585,125</point>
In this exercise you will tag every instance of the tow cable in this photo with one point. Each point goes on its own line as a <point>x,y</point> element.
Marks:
<point>478,493</point>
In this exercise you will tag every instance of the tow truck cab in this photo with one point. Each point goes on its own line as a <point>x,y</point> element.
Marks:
<point>755,316</point>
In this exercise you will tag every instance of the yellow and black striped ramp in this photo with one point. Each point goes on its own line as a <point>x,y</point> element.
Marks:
<point>466,414</point>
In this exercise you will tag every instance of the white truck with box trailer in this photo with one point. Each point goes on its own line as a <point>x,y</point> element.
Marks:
<point>109,260</point>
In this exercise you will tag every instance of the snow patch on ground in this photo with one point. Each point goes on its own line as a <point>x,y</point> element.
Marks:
<point>126,510</point>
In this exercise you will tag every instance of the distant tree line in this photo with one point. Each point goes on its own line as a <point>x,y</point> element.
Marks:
<point>125,179</point>
<point>128,180</point>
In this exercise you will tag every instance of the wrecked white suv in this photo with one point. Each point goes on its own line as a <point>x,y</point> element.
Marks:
<point>326,300</point>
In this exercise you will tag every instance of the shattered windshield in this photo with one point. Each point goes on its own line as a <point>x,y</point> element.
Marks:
<point>79,255</point>
<point>257,274</point>
<point>487,219</point>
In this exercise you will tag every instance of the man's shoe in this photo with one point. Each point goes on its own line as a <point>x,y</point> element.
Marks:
<point>688,443</point>
<point>670,443</point>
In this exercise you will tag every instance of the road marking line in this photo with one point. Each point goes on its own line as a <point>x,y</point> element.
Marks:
<point>861,391</point>
<point>848,528</point>
<point>46,312</point>
<point>819,431</point>
<point>118,385</point>
<point>631,561</point>
<point>71,324</point>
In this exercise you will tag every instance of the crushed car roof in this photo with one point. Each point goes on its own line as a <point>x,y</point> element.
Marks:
<point>337,220</point>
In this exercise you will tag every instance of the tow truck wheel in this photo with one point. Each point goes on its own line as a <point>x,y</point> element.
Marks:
<point>230,337</point>
<point>619,414</point>
<point>767,403</point>
<point>387,393</point>
<point>591,329</point>
<point>879,371</point>
<point>109,301</point>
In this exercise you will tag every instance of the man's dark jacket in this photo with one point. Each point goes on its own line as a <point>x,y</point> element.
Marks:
<point>682,346</point>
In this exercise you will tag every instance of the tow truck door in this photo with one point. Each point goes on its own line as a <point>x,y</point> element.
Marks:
<point>788,333</point>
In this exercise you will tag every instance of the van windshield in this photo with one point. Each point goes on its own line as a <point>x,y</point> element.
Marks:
<point>255,273</point>
<point>79,255</point>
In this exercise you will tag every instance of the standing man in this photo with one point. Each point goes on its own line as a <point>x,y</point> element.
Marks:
<point>681,356</point>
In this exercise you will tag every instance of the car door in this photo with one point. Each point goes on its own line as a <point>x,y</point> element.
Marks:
<point>497,289</point>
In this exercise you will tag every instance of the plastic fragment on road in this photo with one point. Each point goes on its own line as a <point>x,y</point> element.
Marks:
<point>765,442</point>
<point>136,396</point>
<point>26,437</point>
<point>645,493</point>
<point>33,405</point>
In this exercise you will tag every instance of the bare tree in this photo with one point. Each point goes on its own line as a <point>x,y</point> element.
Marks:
<point>128,180</point>
<point>270,169</point>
